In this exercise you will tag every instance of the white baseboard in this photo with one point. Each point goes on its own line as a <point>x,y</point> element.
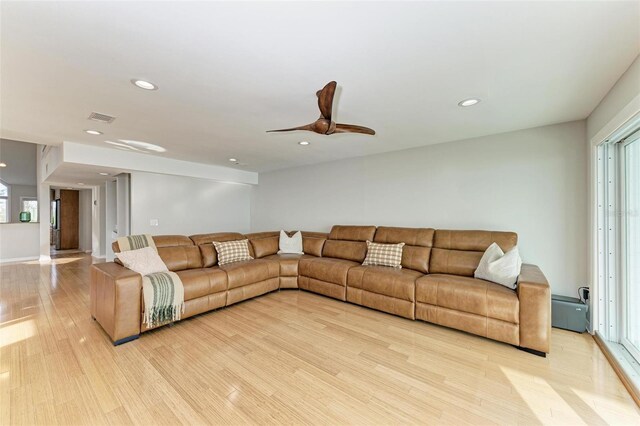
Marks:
<point>19,259</point>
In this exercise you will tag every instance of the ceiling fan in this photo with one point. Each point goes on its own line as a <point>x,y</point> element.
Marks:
<point>324,125</point>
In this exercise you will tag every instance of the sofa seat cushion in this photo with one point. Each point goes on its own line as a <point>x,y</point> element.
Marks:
<point>203,281</point>
<point>392,282</point>
<point>326,269</point>
<point>469,295</point>
<point>250,271</point>
<point>288,263</point>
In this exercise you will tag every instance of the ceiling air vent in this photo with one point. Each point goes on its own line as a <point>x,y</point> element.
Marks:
<point>102,118</point>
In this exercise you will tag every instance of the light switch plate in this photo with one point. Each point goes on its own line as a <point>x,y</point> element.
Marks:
<point>153,222</point>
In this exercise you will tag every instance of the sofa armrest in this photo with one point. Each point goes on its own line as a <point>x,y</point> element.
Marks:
<point>534,295</point>
<point>116,299</point>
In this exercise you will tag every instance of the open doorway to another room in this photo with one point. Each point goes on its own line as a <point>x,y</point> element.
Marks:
<point>71,220</point>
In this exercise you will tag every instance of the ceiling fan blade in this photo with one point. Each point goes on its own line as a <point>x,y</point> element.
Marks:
<point>305,127</point>
<point>325,99</point>
<point>352,128</point>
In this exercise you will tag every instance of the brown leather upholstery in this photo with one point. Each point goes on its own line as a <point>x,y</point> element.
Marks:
<point>534,294</point>
<point>197,306</point>
<point>354,251</point>
<point>201,282</point>
<point>178,258</point>
<point>288,263</point>
<point>470,295</point>
<point>459,252</point>
<point>448,295</point>
<point>176,251</point>
<point>264,246</point>
<point>239,294</point>
<point>386,289</point>
<point>324,275</point>
<point>313,242</point>
<point>471,323</point>
<point>116,299</point>
<point>392,282</point>
<point>475,306</point>
<point>207,250</point>
<point>250,271</point>
<point>348,242</point>
<point>417,248</point>
<point>352,233</point>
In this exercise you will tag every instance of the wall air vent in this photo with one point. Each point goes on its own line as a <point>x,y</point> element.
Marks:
<point>102,118</point>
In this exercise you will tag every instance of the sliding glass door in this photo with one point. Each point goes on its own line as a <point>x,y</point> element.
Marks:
<point>630,177</point>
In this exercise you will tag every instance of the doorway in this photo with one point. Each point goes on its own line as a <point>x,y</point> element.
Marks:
<point>70,229</point>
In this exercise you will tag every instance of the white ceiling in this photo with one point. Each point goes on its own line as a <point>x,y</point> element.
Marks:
<point>229,71</point>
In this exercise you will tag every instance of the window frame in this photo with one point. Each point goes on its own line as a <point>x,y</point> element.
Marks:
<point>8,200</point>
<point>31,198</point>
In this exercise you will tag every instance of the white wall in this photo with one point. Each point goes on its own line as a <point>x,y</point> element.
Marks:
<point>187,206</point>
<point>19,241</point>
<point>85,202</point>
<point>622,94</point>
<point>533,182</point>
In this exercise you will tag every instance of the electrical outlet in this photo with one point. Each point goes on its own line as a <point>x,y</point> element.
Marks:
<point>153,222</point>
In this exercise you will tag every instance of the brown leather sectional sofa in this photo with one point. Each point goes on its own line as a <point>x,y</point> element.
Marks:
<point>435,283</point>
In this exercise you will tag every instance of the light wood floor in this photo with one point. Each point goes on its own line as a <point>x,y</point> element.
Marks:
<point>289,357</point>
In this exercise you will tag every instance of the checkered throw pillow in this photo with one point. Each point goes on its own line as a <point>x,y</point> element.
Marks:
<point>232,251</point>
<point>384,254</point>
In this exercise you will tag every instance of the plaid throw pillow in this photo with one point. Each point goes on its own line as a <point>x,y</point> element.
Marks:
<point>384,254</point>
<point>232,251</point>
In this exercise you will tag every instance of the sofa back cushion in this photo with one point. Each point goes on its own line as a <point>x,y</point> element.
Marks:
<point>348,242</point>
<point>417,245</point>
<point>313,243</point>
<point>205,244</point>
<point>176,251</point>
<point>263,243</point>
<point>459,252</point>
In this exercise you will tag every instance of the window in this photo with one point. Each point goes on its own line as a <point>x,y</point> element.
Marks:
<point>630,174</point>
<point>29,204</point>
<point>4,203</point>
<point>618,242</point>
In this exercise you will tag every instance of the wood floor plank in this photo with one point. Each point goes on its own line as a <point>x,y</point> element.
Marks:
<point>288,357</point>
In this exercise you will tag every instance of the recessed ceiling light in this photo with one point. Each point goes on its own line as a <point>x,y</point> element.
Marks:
<point>103,174</point>
<point>81,183</point>
<point>468,102</point>
<point>3,164</point>
<point>146,85</point>
<point>304,143</point>
<point>233,160</point>
<point>93,132</point>
<point>143,145</point>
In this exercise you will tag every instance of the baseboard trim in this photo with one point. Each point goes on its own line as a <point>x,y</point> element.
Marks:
<point>19,259</point>
<point>620,371</point>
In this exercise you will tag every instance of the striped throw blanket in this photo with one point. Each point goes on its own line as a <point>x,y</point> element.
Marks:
<point>134,242</point>
<point>163,292</point>
<point>163,298</point>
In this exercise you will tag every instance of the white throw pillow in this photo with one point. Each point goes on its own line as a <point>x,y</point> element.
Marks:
<point>144,261</point>
<point>290,245</point>
<point>499,267</point>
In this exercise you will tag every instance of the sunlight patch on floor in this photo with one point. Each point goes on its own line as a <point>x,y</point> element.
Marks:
<point>543,401</point>
<point>13,333</point>
<point>61,261</point>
